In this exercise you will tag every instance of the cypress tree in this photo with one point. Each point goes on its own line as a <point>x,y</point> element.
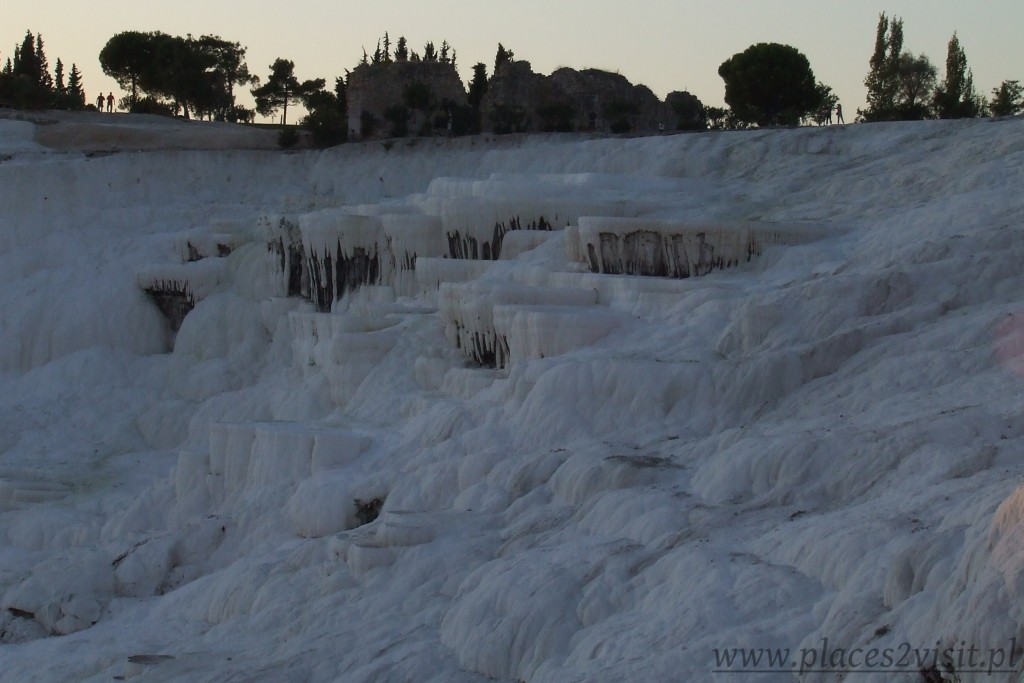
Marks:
<point>478,86</point>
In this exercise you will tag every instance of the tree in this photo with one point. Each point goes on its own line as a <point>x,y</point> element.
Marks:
<point>718,118</point>
<point>478,86</point>
<point>398,116</point>
<point>283,88</point>
<point>63,96</point>
<point>882,80</point>
<point>555,116</point>
<point>127,56</point>
<point>827,104</point>
<point>475,97</point>
<point>224,68</point>
<point>502,57</point>
<point>1007,99</point>
<point>42,65</point>
<point>955,98</point>
<point>24,84</point>
<point>507,119</point>
<point>402,50</point>
<point>418,96</point>
<point>25,60</point>
<point>916,82</point>
<point>186,73</point>
<point>326,117</point>
<point>769,84</point>
<point>688,109</point>
<point>75,89</point>
<point>429,53</point>
<point>58,77</point>
<point>341,94</point>
<point>621,114</point>
<point>418,101</point>
<point>901,85</point>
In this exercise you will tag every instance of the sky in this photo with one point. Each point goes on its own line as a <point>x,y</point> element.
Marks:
<point>665,44</point>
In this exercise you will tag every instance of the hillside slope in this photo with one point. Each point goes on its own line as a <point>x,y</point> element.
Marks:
<point>361,458</point>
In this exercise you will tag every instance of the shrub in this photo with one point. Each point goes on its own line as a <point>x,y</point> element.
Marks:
<point>287,138</point>
<point>151,105</point>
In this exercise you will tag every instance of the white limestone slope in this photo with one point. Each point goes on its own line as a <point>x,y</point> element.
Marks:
<point>821,441</point>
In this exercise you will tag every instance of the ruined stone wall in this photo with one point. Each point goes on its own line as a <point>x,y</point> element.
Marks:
<point>595,96</point>
<point>515,96</point>
<point>514,89</point>
<point>372,88</point>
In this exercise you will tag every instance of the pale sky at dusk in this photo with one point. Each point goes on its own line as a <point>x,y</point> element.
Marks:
<point>665,44</point>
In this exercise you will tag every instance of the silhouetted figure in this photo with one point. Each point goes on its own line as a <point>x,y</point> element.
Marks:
<point>110,103</point>
<point>839,114</point>
<point>828,118</point>
<point>99,102</point>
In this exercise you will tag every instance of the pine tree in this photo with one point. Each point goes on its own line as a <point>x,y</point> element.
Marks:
<point>955,98</point>
<point>283,88</point>
<point>42,65</point>
<point>386,56</point>
<point>25,58</point>
<point>429,53</point>
<point>444,51</point>
<point>75,86</point>
<point>58,73</point>
<point>1007,99</point>
<point>402,50</point>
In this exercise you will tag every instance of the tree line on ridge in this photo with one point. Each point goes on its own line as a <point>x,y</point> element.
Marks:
<point>768,84</point>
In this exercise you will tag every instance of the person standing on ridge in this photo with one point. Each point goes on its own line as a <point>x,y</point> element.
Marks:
<point>110,103</point>
<point>99,102</point>
<point>839,113</point>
